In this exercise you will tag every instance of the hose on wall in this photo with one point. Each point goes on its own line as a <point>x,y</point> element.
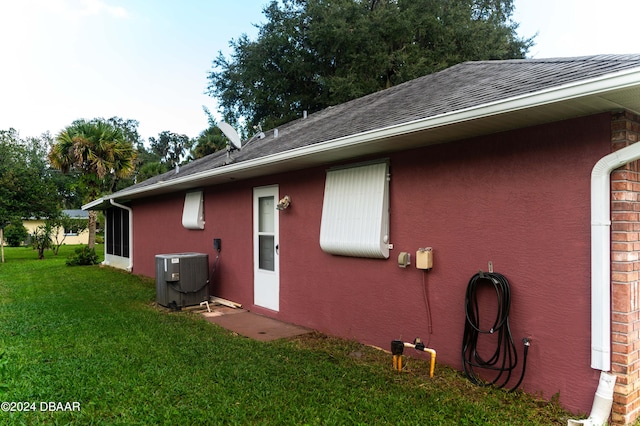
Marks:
<point>504,358</point>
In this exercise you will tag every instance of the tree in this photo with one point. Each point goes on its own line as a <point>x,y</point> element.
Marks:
<point>25,189</point>
<point>171,147</point>
<point>100,152</point>
<point>129,128</point>
<point>147,163</point>
<point>25,186</point>
<point>64,222</point>
<point>311,54</point>
<point>147,170</point>
<point>15,234</point>
<point>208,142</point>
<point>41,239</point>
<point>67,188</point>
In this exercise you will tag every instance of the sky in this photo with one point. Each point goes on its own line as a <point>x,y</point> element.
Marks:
<point>148,60</point>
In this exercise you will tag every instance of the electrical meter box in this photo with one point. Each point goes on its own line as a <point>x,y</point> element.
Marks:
<point>182,279</point>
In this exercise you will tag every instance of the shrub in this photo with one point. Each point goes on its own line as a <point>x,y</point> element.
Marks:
<point>83,256</point>
<point>41,239</point>
<point>15,234</point>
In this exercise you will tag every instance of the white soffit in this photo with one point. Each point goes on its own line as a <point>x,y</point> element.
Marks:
<point>610,92</point>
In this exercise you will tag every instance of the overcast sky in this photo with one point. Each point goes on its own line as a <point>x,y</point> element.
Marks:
<point>148,59</point>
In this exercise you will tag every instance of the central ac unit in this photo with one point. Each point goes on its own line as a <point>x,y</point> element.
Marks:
<point>182,279</point>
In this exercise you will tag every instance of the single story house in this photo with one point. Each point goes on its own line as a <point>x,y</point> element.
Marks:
<point>68,236</point>
<point>528,167</point>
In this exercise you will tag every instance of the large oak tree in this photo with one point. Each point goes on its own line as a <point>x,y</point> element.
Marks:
<point>311,54</point>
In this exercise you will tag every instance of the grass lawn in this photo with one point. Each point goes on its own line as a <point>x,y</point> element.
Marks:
<point>93,336</point>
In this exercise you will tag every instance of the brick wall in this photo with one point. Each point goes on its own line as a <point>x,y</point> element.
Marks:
<point>625,273</point>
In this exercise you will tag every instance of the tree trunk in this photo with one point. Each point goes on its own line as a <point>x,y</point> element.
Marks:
<point>92,228</point>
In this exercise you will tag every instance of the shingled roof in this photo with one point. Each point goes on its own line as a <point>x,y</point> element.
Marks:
<point>467,99</point>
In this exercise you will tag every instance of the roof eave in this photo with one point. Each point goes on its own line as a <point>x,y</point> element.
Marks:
<point>606,93</point>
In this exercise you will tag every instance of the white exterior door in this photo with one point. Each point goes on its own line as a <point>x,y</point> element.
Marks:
<point>266,265</point>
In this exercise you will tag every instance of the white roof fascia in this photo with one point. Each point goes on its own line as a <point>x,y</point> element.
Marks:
<point>590,87</point>
<point>94,203</point>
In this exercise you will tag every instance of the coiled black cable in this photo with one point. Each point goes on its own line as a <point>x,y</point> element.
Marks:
<point>505,357</point>
<point>179,289</point>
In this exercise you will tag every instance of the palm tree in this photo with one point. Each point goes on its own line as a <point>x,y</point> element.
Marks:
<point>100,152</point>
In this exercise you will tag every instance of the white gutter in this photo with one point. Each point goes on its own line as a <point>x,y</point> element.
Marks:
<point>591,87</point>
<point>93,203</point>
<point>130,266</point>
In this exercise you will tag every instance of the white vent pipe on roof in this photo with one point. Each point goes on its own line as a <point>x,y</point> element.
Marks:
<point>601,279</point>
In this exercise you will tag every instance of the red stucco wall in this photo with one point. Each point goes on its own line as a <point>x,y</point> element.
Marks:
<point>519,199</point>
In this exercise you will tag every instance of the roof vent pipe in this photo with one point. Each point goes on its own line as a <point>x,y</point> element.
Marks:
<point>601,253</point>
<point>304,114</point>
<point>275,133</point>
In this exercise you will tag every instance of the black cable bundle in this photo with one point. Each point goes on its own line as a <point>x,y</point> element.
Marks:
<point>180,290</point>
<point>505,358</point>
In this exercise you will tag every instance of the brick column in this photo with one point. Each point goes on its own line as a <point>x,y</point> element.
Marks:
<point>625,273</point>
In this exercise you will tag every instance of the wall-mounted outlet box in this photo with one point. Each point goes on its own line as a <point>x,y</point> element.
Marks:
<point>424,258</point>
<point>404,259</point>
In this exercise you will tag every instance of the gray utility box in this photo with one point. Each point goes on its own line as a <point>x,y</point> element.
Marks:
<point>182,279</point>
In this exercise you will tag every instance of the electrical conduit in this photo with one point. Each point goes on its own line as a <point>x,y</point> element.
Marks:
<point>397,348</point>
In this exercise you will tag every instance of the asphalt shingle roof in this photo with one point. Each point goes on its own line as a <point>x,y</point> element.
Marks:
<point>462,86</point>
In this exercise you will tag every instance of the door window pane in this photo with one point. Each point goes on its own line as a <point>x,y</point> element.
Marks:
<point>266,253</point>
<point>266,213</point>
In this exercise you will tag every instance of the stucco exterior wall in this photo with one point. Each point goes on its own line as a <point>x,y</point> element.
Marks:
<point>519,199</point>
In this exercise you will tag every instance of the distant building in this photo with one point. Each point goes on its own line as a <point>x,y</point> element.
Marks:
<point>68,236</point>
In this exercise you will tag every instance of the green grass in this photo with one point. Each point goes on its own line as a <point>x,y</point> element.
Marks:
<point>93,335</point>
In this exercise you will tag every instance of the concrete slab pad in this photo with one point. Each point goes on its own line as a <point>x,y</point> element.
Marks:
<point>252,325</point>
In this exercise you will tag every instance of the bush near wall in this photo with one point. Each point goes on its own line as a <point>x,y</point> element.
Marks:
<point>15,234</point>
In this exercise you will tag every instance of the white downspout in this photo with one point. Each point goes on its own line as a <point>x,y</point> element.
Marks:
<point>601,279</point>
<point>601,253</point>
<point>113,203</point>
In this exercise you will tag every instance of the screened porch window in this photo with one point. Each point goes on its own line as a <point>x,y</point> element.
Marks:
<point>117,232</point>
